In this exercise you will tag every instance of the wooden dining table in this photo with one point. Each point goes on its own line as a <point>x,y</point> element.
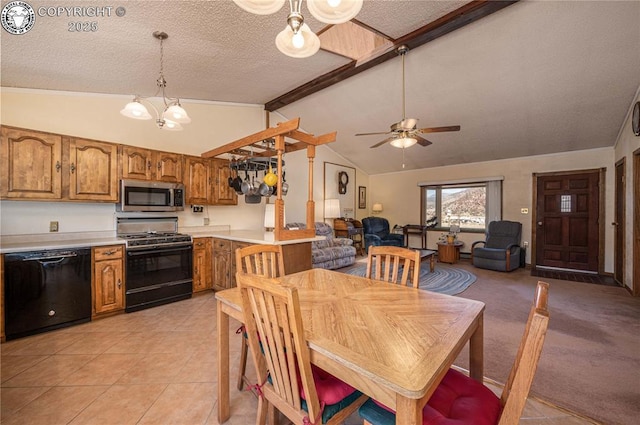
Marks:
<point>393,343</point>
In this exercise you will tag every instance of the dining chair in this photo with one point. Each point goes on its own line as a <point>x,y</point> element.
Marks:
<point>470,402</point>
<point>390,263</point>
<point>287,381</point>
<point>261,260</point>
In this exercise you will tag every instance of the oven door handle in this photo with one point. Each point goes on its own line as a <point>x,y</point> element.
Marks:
<point>159,251</point>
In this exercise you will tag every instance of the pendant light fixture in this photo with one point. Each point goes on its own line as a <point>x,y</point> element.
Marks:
<point>297,40</point>
<point>173,114</point>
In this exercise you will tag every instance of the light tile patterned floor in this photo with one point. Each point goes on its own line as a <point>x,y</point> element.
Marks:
<point>155,366</point>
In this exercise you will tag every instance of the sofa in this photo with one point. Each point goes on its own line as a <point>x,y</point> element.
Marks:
<point>329,253</point>
<point>376,233</point>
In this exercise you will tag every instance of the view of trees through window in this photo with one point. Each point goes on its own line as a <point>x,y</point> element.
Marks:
<point>463,206</point>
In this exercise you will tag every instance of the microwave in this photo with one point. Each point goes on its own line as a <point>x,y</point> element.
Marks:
<point>138,195</point>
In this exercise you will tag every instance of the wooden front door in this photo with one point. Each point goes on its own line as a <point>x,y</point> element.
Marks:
<point>619,224</point>
<point>567,212</point>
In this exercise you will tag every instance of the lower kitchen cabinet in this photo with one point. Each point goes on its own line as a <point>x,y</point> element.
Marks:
<point>202,264</point>
<point>107,279</point>
<point>221,264</point>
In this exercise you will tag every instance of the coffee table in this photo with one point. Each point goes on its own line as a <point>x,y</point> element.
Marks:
<point>427,254</point>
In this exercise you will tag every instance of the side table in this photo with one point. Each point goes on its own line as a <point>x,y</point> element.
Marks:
<point>415,229</point>
<point>449,252</point>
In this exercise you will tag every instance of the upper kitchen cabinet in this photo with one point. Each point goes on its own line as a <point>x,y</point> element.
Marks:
<point>93,170</point>
<point>223,194</point>
<point>197,180</point>
<point>146,164</point>
<point>31,164</point>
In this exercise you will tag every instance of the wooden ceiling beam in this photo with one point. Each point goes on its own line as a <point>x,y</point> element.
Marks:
<point>452,21</point>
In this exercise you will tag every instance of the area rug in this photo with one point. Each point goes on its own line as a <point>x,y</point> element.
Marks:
<point>445,279</point>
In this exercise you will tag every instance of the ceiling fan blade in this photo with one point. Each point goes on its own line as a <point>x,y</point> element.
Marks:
<point>371,134</point>
<point>388,139</point>
<point>421,140</point>
<point>439,129</point>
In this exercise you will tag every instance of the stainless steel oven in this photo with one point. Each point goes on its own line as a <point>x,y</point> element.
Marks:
<point>159,262</point>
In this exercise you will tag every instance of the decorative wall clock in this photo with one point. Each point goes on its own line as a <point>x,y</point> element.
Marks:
<point>635,119</point>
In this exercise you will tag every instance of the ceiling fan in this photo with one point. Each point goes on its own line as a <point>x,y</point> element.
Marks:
<point>405,132</point>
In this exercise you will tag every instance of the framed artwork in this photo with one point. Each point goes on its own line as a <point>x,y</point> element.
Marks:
<point>340,183</point>
<point>362,197</point>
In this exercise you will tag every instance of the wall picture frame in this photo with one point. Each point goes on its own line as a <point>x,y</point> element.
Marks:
<point>362,197</point>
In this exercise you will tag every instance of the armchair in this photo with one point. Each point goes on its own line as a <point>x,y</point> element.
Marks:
<point>376,233</point>
<point>501,249</point>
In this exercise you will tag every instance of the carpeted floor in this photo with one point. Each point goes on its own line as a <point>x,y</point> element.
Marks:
<point>445,279</point>
<point>590,362</point>
<point>574,277</point>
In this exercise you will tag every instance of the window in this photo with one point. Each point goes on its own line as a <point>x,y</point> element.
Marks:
<point>468,205</point>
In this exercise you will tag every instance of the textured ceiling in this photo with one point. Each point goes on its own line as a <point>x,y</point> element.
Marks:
<point>533,78</point>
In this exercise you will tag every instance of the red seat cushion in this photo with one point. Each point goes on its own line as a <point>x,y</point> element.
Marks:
<point>330,389</point>
<point>460,400</point>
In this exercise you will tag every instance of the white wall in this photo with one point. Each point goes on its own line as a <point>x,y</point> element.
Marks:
<point>97,117</point>
<point>626,144</point>
<point>400,195</point>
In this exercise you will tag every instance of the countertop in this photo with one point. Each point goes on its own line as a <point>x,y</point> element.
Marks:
<point>39,242</point>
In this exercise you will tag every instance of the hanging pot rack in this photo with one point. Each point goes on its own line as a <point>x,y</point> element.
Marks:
<point>274,142</point>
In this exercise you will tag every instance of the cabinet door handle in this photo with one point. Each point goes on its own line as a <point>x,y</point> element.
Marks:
<point>109,252</point>
<point>73,167</point>
<point>148,165</point>
<point>159,165</point>
<point>58,166</point>
<point>119,283</point>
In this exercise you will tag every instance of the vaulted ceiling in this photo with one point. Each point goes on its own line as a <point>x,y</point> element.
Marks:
<point>529,78</point>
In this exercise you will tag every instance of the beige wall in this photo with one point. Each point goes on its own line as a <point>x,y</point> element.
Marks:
<point>628,143</point>
<point>400,195</point>
<point>97,117</point>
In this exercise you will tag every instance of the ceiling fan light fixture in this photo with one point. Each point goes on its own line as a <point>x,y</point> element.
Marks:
<point>260,7</point>
<point>310,42</point>
<point>403,142</point>
<point>136,110</point>
<point>334,11</point>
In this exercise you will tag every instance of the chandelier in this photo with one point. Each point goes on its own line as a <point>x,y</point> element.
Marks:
<point>173,114</point>
<point>297,40</point>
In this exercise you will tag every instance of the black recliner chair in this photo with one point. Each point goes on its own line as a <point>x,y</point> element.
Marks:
<point>501,249</point>
<point>376,233</point>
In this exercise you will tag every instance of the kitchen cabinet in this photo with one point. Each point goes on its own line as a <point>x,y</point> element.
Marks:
<point>197,180</point>
<point>31,164</point>
<point>202,264</point>
<point>223,194</point>
<point>147,164</point>
<point>107,279</point>
<point>93,170</point>
<point>222,264</point>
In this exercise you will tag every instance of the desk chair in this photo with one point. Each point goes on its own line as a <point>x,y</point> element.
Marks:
<point>287,381</point>
<point>468,401</point>
<point>260,260</point>
<point>387,262</point>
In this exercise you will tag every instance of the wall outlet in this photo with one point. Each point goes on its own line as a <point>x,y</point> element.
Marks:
<point>53,226</point>
<point>525,243</point>
<point>197,208</point>
<point>524,210</point>
<point>206,221</point>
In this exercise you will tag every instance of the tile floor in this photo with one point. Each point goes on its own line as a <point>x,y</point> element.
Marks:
<point>155,366</point>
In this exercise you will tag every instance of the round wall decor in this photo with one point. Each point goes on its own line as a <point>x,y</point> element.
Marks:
<point>635,119</point>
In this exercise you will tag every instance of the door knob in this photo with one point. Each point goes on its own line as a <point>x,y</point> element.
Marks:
<point>539,223</point>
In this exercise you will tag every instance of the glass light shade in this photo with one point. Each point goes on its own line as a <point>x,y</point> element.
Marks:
<point>136,110</point>
<point>334,11</point>
<point>403,142</point>
<point>171,126</point>
<point>176,113</point>
<point>377,208</point>
<point>332,208</point>
<point>284,42</point>
<point>260,7</point>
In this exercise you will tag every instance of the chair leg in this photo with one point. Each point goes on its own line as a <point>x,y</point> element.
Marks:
<point>263,405</point>
<point>244,350</point>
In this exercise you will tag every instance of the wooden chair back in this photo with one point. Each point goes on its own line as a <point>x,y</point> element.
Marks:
<point>394,264</point>
<point>516,390</point>
<point>273,320</point>
<point>261,260</point>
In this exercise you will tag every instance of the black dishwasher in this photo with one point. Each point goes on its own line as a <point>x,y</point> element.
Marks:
<point>46,290</point>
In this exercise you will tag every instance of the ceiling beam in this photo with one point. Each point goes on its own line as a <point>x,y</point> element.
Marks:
<point>452,21</point>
